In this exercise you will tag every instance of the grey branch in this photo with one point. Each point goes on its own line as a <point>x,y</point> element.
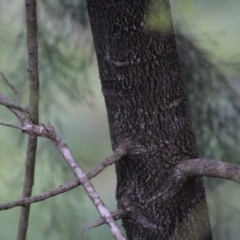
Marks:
<point>11,86</point>
<point>209,168</point>
<point>82,177</point>
<point>49,132</point>
<point>192,168</point>
<point>10,125</point>
<point>117,154</point>
<point>19,112</point>
<point>118,214</point>
<point>7,103</point>
<point>41,197</point>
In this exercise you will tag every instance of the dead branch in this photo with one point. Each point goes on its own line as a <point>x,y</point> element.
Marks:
<point>11,86</point>
<point>10,125</point>
<point>49,132</point>
<point>7,103</point>
<point>18,112</point>
<point>117,154</point>
<point>209,168</point>
<point>41,197</point>
<point>118,214</point>
<point>82,177</point>
<point>27,125</point>
<point>192,168</point>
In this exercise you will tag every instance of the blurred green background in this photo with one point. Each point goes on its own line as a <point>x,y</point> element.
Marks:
<point>71,99</point>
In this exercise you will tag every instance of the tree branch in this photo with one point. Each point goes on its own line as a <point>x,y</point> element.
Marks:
<point>7,103</point>
<point>209,168</point>
<point>183,170</point>
<point>179,173</point>
<point>18,111</point>
<point>187,169</point>
<point>32,49</point>
<point>27,125</point>
<point>82,177</point>
<point>11,86</point>
<point>49,132</point>
<point>10,125</point>
<point>118,214</point>
<point>117,154</point>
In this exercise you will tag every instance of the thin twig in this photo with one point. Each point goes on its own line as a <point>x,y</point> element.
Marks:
<point>116,215</point>
<point>11,86</point>
<point>87,185</point>
<point>41,197</point>
<point>32,49</point>
<point>10,125</point>
<point>117,154</point>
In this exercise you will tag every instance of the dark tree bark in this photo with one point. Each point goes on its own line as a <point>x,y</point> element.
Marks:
<point>147,107</point>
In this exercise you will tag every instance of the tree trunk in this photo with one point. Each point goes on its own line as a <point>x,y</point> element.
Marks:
<point>147,108</point>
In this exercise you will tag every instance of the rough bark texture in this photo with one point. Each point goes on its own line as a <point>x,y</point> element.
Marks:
<point>146,104</point>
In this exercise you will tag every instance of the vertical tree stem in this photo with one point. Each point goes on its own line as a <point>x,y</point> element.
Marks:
<point>32,48</point>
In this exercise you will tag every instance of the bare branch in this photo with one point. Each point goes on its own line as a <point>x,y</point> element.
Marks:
<point>33,75</point>
<point>192,168</point>
<point>10,125</point>
<point>19,113</point>
<point>14,106</point>
<point>41,197</point>
<point>7,103</point>
<point>11,86</point>
<point>117,154</point>
<point>82,177</point>
<point>210,168</point>
<point>118,214</point>
<point>27,125</point>
<point>49,132</point>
